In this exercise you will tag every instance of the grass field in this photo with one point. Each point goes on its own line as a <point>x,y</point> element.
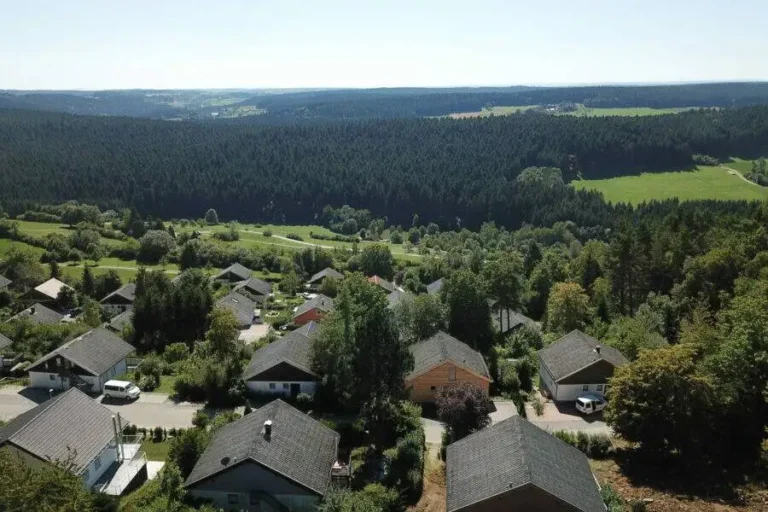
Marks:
<point>488,112</point>
<point>702,183</point>
<point>583,111</point>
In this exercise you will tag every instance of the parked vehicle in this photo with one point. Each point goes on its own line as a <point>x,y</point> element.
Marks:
<point>589,404</point>
<point>121,389</point>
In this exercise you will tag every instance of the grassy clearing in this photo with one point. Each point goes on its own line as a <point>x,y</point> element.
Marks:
<point>156,451</point>
<point>582,111</point>
<point>492,111</point>
<point>702,183</point>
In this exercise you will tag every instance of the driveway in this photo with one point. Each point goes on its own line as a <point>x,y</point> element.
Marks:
<point>150,410</point>
<point>564,416</point>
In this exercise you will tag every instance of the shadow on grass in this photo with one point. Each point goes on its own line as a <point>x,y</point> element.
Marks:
<point>701,480</point>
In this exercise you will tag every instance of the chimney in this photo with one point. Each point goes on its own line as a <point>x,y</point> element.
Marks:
<point>117,437</point>
<point>597,349</point>
<point>32,310</point>
<point>267,429</point>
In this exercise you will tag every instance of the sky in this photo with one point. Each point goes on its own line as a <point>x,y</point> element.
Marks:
<point>166,44</point>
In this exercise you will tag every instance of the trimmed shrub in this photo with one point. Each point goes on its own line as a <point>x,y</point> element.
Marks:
<point>594,446</point>
<point>200,419</point>
<point>157,434</point>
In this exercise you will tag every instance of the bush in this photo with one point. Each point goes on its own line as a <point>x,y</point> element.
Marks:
<point>266,233</point>
<point>612,500</point>
<point>157,434</point>
<point>176,352</point>
<point>303,401</point>
<point>200,419</point>
<point>148,383</point>
<point>406,465</point>
<point>538,406</point>
<point>294,236</point>
<point>594,446</point>
<point>172,432</point>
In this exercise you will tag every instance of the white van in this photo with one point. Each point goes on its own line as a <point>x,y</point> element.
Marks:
<point>588,404</point>
<point>121,389</point>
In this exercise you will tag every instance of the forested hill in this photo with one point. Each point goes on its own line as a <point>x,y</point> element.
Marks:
<point>439,168</point>
<point>383,103</point>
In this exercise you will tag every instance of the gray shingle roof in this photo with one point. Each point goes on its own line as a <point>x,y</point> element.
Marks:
<point>120,321</point>
<point>4,342</point>
<point>40,315</point>
<point>300,448</point>
<point>127,292</point>
<point>513,453</point>
<point>4,282</point>
<point>326,272</point>
<point>388,286</point>
<point>309,329</point>
<point>68,425</point>
<point>396,296</point>
<point>254,285</point>
<point>242,307</point>
<point>441,348</point>
<point>435,287</point>
<point>321,302</point>
<point>294,348</point>
<point>510,320</point>
<point>237,269</point>
<point>97,351</point>
<point>576,351</point>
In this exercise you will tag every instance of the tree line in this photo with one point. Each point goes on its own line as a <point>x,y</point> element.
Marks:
<point>455,173</point>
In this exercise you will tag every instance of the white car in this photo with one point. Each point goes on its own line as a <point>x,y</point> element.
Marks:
<point>589,404</point>
<point>121,389</point>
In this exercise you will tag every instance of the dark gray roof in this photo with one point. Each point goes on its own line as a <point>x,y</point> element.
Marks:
<point>68,427</point>
<point>443,347</point>
<point>383,283</point>
<point>576,351</point>
<point>237,269</point>
<point>4,282</point>
<point>435,287</point>
<point>396,296</point>
<point>120,321</point>
<point>309,329</point>
<point>39,314</point>
<point>242,307</point>
<point>321,302</point>
<point>300,448</point>
<point>326,272</point>
<point>254,285</point>
<point>514,453</point>
<point>97,351</point>
<point>294,348</point>
<point>4,342</point>
<point>127,292</point>
<point>510,320</point>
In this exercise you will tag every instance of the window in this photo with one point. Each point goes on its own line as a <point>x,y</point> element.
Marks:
<point>585,387</point>
<point>272,385</point>
<point>86,475</point>
<point>97,462</point>
<point>452,374</point>
<point>52,377</point>
<point>286,385</point>
<point>600,388</point>
<point>232,499</point>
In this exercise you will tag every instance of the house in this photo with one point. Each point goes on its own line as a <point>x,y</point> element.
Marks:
<point>233,274</point>
<point>73,428</point>
<point>256,289</point>
<point>4,283</point>
<point>441,361</point>
<point>506,320</point>
<point>120,300</point>
<point>7,358</point>
<point>396,297</point>
<point>327,273</point>
<point>39,315</point>
<point>87,362</point>
<point>515,465</point>
<point>241,306</point>
<point>284,367</point>
<point>577,364</point>
<point>118,323</point>
<point>47,292</point>
<point>435,287</point>
<point>275,458</point>
<point>313,310</point>
<point>382,283</point>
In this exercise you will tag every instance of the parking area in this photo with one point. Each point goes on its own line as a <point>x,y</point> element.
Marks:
<point>564,416</point>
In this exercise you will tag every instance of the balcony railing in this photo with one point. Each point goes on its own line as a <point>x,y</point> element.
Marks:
<point>117,478</point>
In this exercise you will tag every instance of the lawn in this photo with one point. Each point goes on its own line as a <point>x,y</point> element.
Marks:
<point>156,451</point>
<point>166,385</point>
<point>702,183</point>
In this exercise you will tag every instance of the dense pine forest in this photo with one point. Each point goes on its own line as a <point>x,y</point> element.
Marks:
<point>451,172</point>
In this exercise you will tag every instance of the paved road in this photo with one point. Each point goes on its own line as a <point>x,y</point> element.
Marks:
<point>150,410</point>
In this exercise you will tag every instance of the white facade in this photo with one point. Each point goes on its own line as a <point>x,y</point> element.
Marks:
<point>281,388</point>
<point>567,392</point>
<point>99,465</point>
<point>48,380</point>
<point>242,501</point>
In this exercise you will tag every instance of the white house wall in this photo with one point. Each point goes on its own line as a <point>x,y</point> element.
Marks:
<point>307,387</point>
<point>43,379</point>
<point>105,459</point>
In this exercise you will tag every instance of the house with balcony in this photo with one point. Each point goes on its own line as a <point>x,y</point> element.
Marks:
<point>284,367</point>
<point>86,362</point>
<point>119,301</point>
<point>87,438</point>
